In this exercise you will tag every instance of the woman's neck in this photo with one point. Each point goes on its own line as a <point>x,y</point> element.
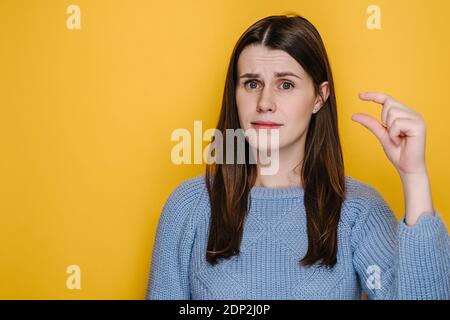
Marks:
<point>289,163</point>
<point>279,180</point>
<point>287,175</point>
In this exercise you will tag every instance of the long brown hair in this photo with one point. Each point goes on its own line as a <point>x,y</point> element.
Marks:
<point>322,170</point>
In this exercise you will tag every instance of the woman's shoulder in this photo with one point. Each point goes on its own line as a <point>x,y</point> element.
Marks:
<point>187,192</point>
<point>179,211</point>
<point>362,200</point>
<point>190,187</point>
<point>357,190</point>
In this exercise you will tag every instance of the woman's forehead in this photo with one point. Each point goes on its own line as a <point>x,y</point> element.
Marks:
<point>265,61</point>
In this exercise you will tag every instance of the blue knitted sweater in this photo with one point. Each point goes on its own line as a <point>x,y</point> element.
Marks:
<point>385,258</point>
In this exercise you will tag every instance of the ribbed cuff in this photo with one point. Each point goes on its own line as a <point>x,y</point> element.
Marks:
<point>428,225</point>
<point>424,260</point>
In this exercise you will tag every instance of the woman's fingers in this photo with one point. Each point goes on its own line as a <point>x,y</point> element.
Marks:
<point>400,126</point>
<point>388,103</point>
<point>402,135</point>
<point>372,124</point>
<point>377,97</point>
<point>396,112</point>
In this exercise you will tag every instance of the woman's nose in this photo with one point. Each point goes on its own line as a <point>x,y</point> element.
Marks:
<point>266,103</point>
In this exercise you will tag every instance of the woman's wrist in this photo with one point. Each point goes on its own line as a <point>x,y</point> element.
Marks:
<point>417,195</point>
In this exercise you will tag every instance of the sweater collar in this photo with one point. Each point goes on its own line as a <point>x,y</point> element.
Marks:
<point>276,193</point>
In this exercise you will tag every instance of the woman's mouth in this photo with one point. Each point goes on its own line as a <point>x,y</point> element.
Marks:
<point>266,125</point>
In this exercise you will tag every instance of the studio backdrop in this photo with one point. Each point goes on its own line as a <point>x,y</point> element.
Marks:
<point>91,93</point>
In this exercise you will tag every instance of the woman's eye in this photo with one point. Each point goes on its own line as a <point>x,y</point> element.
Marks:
<point>287,85</point>
<point>253,84</point>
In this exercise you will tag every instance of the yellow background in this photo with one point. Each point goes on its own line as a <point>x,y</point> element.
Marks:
<point>86,117</point>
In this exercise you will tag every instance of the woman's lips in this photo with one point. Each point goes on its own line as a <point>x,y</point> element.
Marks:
<point>266,125</point>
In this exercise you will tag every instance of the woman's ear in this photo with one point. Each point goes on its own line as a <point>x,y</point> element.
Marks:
<point>324,89</point>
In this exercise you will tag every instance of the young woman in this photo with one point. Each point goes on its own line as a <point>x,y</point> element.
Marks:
<point>308,231</point>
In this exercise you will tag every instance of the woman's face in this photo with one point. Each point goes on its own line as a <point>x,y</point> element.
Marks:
<point>272,86</point>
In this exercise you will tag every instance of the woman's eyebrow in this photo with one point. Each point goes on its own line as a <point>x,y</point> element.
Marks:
<point>276,74</point>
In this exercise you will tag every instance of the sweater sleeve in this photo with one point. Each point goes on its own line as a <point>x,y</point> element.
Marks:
<point>169,268</point>
<point>397,261</point>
